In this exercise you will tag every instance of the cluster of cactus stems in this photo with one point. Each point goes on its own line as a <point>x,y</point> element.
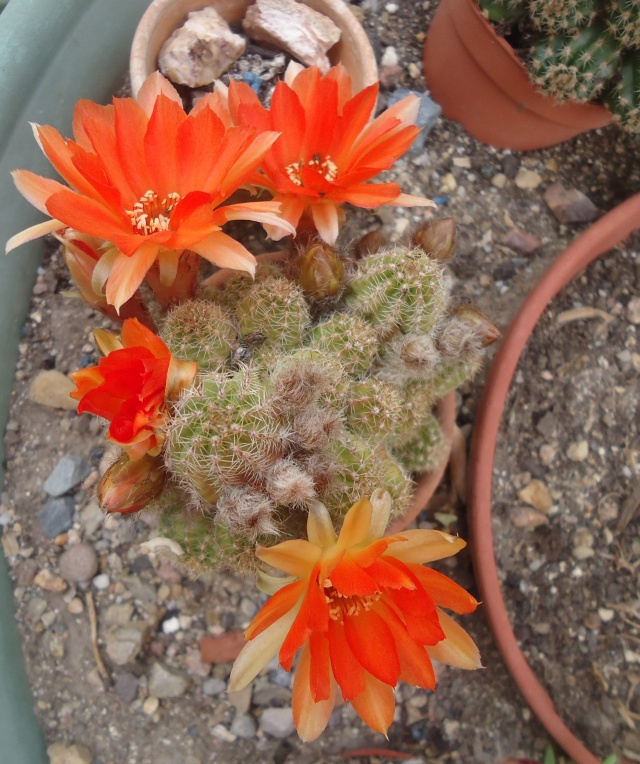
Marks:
<point>584,50</point>
<point>316,380</point>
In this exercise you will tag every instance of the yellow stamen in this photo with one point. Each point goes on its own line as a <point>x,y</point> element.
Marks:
<point>150,214</point>
<point>341,605</point>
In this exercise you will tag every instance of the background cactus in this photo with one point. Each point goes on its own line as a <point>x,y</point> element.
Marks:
<point>581,50</point>
<point>308,392</point>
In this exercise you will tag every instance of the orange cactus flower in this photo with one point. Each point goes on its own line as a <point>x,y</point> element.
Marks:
<point>131,387</point>
<point>150,180</point>
<point>364,612</point>
<point>328,146</point>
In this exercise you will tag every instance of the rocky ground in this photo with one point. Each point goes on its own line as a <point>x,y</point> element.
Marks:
<point>113,636</point>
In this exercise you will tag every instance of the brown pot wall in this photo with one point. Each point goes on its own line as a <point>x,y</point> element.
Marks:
<point>163,17</point>
<point>477,79</point>
<point>598,239</point>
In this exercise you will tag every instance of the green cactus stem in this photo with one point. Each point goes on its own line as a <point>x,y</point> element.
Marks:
<point>575,68</point>
<point>624,22</point>
<point>623,97</point>
<point>562,17</point>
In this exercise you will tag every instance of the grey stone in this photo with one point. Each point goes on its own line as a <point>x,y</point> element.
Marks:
<point>56,516</point>
<point>277,722</point>
<point>92,518</point>
<point>79,563</point>
<point>271,695</point>
<point>124,643</point>
<point>214,686</point>
<point>165,682</point>
<point>52,388</point>
<point>241,700</point>
<point>293,27</point>
<point>67,474</point>
<point>244,726</point>
<point>201,50</point>
<point>428,114</point>
<point>126,687</point>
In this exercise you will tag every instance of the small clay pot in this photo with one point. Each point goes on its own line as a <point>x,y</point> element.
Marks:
<point>610,230</point>
<point>478,80</point>
<point>163,17</point>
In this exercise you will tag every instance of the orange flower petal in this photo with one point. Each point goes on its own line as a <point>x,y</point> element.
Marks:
<point>221,250</point>
<point>372,642</point>
<point>444,591</point>
<point>457,648</point>
<point>134,334</point>
<point>350,579</point>
<point>346,669</point>
<point>161,144</point>
<point>425,546</point>
<point>35,189</point>
<point>356,524</point>
<point>152,87</point>
<point>376,704</point>
<point>34,232</point>
<point>295,557</point>
<point>127,273</point>
<point>259,651</point>
<point>275,607</point>
<point>415,664</point>
<point>130,126</point>
<point>309,716</point>
<point>320,670</point>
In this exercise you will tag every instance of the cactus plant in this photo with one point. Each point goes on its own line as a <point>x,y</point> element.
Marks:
<point>581,50</point>
<point>332,399</point>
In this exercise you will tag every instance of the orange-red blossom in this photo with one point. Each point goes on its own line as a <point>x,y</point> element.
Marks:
<point>151,181</point>
<point>132,387</point>
<point>364,612</point>
<point>328,146</point>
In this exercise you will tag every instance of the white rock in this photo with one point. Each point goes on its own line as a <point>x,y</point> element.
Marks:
<point>606,614</point>
<point>61,753</point>
<point>293,27</point>
<point>201,50</point>
<point>578,451</point>
<point>277,722</point>
<point>527,178</point>
<point>51,388</point>
<point>633,310</point>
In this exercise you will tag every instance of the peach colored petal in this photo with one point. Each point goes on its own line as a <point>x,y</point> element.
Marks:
<point>134,334</point>
<point>267,213</point>
<point>221,250</point>
<point>319,526</point>
<point>310,717</point>
<point>380,513</point>
<point>180,376</point>
<point>376,704</point>
<point>35,189</point>
<point>295,557</point>
<point>291,209</point>
<point>127,273</point>
<point>457,648</point>
<point>325,217</point>
<point>102,269</point>
<point>425,546</point>
<point>107,341</point>
<point>356,524</point>
<point>152,87</point>
<point>259,651</point>
<point>34,232</point>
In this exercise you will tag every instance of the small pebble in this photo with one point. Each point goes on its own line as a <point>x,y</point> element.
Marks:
<point>79,563</point>
<point>244,726</point>
<point>214,686</point>
<point>126,687</point>
<point>606,614</point>
<point>633,310</point>
<point>166,682</point>
<point>101,582</point>
<point>499,180</point>
<point>150,706</point>
<point>277,722</point>
<point>578,451</point>
<point>49,581</point>
<point>76,606</point>
<point>527,179</point>
<point>537,495</point>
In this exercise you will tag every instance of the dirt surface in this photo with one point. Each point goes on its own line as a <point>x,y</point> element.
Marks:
<point>574,371</point>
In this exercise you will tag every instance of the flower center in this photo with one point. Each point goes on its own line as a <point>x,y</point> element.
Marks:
<point>349,605</point>
<point>322,165</point>
<point>151,214</point>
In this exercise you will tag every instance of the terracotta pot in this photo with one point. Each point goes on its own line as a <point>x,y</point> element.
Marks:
<point>426,484</point>
<point>164,16</point>
<point>598,239</point>
<point>478,80</point>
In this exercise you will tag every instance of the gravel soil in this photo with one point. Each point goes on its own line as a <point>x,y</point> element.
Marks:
<point>139,692</point>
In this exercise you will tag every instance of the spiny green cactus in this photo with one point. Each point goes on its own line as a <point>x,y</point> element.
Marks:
<point>575,68</point>
<point>623,98</point>
<point>562,16</point>
<point>624,22</point>
<point>329,407</point>
<point>582,50</point>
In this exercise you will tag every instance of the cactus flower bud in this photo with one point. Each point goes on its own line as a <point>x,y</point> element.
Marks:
<point>369,244</point>
<point>487,330</point>
<point>436,238</point>
<point>321,271</point>
<point>129,485</point>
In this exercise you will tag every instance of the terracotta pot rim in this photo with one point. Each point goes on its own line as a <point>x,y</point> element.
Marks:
<point>479,81</point>
<point>162,17</point>
<point>427,483</point>
<point>610,230</point>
